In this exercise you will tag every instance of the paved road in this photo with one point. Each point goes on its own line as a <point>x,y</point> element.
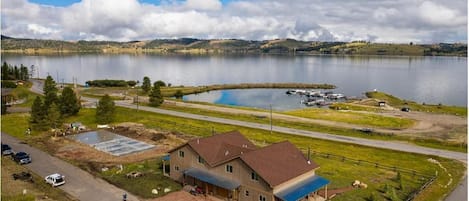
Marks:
<point>79,183</point>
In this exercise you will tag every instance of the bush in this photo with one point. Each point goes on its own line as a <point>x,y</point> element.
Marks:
<point>107,83</point>
<point>8,84</point>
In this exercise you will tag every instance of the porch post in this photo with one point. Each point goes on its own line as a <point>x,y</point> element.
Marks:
<point>325,195</point>
<point>164,168</point>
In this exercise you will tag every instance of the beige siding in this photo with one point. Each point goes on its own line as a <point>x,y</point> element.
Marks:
<point>189,160</point>
<point>241,173</point>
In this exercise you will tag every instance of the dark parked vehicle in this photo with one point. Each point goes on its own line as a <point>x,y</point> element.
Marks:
<point>24,176</point>
<point>21,158</point>
<point>6,150</point>
<point>405,109</point>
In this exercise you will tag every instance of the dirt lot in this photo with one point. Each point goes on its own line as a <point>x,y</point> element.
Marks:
<point>76,151</point>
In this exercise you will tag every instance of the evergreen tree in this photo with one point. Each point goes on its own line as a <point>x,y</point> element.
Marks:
<point>37,120</point>
<point>16,72</point>
<point>160,83</point>
<point>105,110</point>
<point>178,94</point>
<point>69,104</point>
<point>4,107</point>
<point>50,92</point>
<point>24,74</point>
<point>50,98</point>
<point>146,85</point>
<point>53,116</point>
<point>156,99</point>
<point>5,69</point>
<point>49,85</point>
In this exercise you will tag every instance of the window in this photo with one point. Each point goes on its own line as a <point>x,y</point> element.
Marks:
<point>261,198</point>
<point>181,153</point>
<point>176,168</point>
<point>229,168</point>
<point>254,176</point>
<point>200,160</point>
<point>246,193</point>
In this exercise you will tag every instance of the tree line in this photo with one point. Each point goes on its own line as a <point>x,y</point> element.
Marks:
<point>10,72</point>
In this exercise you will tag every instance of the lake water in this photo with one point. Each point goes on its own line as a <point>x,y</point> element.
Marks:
<point>422,79</point>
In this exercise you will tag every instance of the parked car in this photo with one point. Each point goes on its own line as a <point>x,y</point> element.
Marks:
<point>405,109</point>
<point>55,179</point>
<point>21,158</point>
<point>6,150</point>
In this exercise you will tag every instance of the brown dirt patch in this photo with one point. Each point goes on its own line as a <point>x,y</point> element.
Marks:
<point>163,141</point>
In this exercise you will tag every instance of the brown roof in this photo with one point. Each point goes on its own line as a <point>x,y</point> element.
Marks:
<point>220,148</point>
<point>278,163</point>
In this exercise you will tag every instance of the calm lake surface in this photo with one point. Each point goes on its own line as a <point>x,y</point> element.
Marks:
<point>422,79</point>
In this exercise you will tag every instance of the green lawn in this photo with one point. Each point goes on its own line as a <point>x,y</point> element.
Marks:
<point>321,128</point>
<point>152,179</point>
<point>351,117</point>
<point>398,103</point>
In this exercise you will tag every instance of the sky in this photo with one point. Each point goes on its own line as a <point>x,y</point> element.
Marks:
<point>384,21</point>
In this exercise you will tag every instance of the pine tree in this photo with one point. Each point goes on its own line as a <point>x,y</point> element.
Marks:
<point>156,99</point>
<point>5,69</point>
<point>50,92</point>
<point>69,104</point>
<point>105,110</point>
<point>178,94</point>
<point>37,120</point>
<point>4,107</point>
<point>146,85</point>
<point>53,116</point>
<point>49,85</point>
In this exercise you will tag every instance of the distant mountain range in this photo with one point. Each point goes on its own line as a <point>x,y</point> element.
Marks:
<point>200,46</point>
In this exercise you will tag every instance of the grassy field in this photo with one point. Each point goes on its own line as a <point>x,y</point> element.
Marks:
<point>341,174</point>
<point>398,103</point>
<point>153,179</point>
<point>12,190</point>
<point>433,143</point>
<point>353,118</point>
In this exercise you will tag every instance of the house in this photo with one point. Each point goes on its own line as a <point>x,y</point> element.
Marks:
<point>229,166</point>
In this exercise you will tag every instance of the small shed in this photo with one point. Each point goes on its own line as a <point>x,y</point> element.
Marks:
<point>382,103</point>
<point>7,96</point>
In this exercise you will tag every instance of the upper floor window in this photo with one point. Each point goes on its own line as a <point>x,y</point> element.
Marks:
<point>261,198</point>
<point>181,153</point>
<point>254,176</point>
<point>200,160</point>
<point>229,168</point>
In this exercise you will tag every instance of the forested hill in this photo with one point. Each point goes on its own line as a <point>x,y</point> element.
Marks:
<point>199,46</point>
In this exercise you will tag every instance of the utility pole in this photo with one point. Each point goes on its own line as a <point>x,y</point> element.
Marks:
<point>270,118</point>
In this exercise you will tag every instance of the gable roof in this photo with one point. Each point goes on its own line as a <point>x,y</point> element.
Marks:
<point>278,162</point>
<point>223,147</point>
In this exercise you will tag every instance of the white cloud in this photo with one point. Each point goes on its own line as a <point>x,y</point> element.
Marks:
<point>204,4</point>
<point>383,21</point>
<point>38,29</point>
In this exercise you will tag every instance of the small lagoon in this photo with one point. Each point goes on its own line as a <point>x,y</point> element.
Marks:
<point>256,98</point>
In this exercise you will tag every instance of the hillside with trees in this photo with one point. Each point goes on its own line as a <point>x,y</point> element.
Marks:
<point>201,46</point>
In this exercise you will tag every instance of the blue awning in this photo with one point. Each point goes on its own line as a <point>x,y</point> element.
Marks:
<point>212,178</point>
<point>302,188</point>
<point>165,158</point>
